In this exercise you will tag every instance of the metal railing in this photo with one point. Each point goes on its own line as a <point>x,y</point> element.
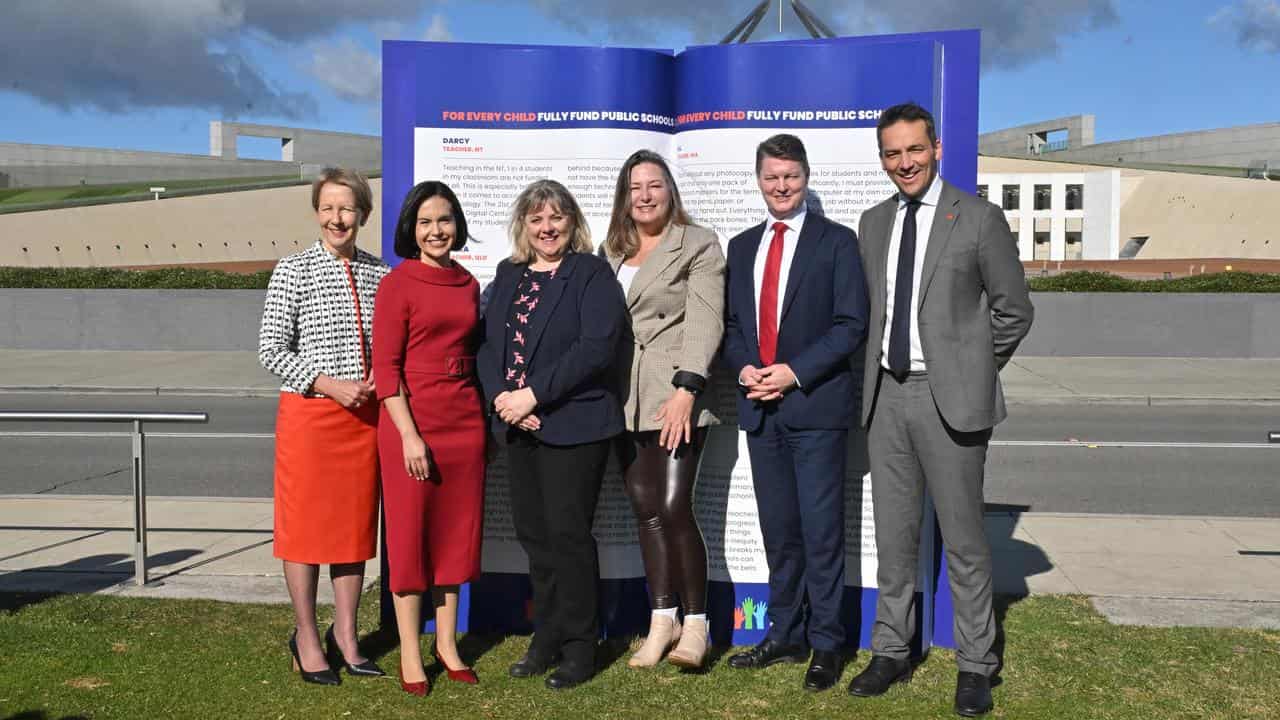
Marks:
<point>139,460</point>
<point>1050,147</point>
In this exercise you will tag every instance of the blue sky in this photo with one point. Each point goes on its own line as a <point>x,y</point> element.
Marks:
<point>146,74</point>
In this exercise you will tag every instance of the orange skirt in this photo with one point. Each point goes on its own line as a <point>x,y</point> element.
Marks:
<point>326,481</point>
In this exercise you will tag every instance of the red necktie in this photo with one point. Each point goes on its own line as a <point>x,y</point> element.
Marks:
<point>769,296</point>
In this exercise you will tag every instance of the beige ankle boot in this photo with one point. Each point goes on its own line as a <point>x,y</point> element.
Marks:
<point>691,651</point>
<point>663,633</point>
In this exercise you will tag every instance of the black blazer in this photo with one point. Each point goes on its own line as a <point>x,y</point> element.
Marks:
<point>571,348</point>
<point>824,320</point>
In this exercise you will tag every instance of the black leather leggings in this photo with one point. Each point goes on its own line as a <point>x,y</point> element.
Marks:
<point>660,487</point>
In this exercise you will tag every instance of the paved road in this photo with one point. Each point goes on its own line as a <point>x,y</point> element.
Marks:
<point>1229,482</point>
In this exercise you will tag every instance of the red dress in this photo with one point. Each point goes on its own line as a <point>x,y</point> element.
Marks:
<point>424,335</point>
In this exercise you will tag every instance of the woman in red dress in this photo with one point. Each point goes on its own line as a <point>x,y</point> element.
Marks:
<point>431,437</point>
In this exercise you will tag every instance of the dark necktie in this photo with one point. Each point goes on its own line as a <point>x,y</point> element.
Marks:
<point>900,333</point>
<point>769,296</point>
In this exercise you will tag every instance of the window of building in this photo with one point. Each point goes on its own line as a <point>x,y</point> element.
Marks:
<point>1043,197</point>
<point>1010,195</point>
<point>1133,246</point>
<point>982,191</point>
<point>1041,251</point>
<point>1075,246</point>
<point>1075,197</point>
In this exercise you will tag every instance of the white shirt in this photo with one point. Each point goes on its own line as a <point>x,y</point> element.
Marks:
<point>627,274</point>
<point>789,241</point>
<point>924,222</point>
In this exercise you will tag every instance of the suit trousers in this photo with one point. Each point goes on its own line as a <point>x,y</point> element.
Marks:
<point>554,490</point>
<point>799,484</point>
<point>912,450</point>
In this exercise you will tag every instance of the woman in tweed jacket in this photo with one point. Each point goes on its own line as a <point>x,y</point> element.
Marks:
<point>672,273</point>
<point>316,328</point>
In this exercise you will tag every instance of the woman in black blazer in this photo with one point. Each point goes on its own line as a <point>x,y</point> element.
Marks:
<point>551,333</point>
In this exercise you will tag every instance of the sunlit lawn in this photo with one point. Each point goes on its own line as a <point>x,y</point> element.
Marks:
<point>109,657</point>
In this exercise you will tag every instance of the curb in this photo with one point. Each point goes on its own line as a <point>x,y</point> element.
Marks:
<point>261,392</point>
<point>1145,400</point>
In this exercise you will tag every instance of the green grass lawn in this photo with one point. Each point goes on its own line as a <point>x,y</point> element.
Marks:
<point>23,196</point>
<point>106,657</point>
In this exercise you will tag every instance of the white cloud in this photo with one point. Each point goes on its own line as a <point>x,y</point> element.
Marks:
<point>350,71</point>
<point>124,55</point>
<point>438,30</point>
<point>1256,23</point>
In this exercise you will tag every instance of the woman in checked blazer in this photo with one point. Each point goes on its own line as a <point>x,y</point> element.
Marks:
<point>672,273</point>
<point>317,324</point>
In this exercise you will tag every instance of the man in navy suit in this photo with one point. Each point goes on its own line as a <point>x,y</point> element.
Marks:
<point>796,311</point>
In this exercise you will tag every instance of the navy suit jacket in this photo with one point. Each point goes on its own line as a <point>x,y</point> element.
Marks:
<point>824,321</point>
<point>571,345</point>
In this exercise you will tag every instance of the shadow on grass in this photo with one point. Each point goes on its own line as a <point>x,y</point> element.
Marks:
<point>610,650</point>
<point>1000,604</point>
<point>41,715</point>
<point>1026,559</point>
<point>471,646</point>
<point>474,646</point>
<point>90,574</point>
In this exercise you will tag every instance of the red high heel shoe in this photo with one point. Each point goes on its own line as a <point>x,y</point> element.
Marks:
<point>421,689</point>
<point>465,675</point>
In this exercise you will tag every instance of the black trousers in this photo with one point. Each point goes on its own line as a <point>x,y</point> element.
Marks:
<point>554,490</point>
<point>660,486</point>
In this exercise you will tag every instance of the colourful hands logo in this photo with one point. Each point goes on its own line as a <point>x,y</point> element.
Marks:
<point>750,615</point>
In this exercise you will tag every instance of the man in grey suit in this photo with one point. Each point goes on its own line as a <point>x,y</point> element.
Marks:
<point>949,306</point>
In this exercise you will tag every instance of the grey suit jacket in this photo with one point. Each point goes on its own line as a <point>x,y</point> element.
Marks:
<point>974,305</point>
<point>676,304</point>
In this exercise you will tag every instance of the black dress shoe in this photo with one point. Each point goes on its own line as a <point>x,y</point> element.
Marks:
<point>824,670</point>
<point>879,675</point>
<point>529,666</point>
<point>319,677</point>
<point>973,694</point>
<point>334,655</point>
<point>569,675</point>
<point>768,652</point>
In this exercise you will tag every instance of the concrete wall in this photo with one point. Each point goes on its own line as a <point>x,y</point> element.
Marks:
<point>27,165</point>
<point>1227,147</point>
<point>1236,147</point>
<point>1067,324</point>
<point>318,147</point>
<point>1202,216</point>
<point>1017,141</point>
<point>1154,325</point>
<point>226,227</point>
<point>30,165</point>
<point>130,319</point>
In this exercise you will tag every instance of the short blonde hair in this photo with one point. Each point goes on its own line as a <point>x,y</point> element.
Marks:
<point>546,192</point>
<point>347,178</point>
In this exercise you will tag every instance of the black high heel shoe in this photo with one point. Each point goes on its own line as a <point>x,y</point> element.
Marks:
<point>320,677</point>
<point>333,654</point>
